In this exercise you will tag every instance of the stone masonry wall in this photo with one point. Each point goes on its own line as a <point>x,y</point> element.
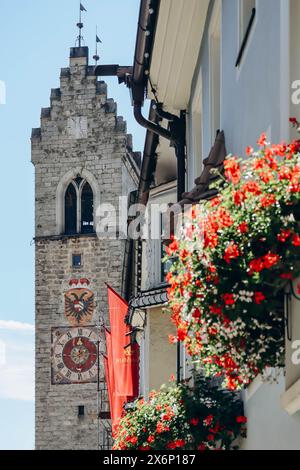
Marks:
<point>79,130</point>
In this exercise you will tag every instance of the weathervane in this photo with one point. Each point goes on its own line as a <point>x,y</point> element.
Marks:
<point>80,26</point>
<point>96,57</point>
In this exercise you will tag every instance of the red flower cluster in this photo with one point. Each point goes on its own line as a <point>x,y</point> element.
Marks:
<point>284,235</point>
<point>232,252</point>
<point>176,444</point>
<point>172,418</point>
<point>232,170</point>
<point>241,419</point>
<point>259,298</point>
<point>229,299</point>
<point>268,200</point>
<point>265,262</point>
<point>250,234</point>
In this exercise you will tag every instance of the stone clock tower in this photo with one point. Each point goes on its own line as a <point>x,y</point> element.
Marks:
<point>82,158</point>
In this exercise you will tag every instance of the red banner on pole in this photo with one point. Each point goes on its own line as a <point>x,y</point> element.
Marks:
<point>125,357</point>
<point>115,402</point>
<point>122,361</point>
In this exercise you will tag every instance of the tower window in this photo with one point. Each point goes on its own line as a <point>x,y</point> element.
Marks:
<point>80,411</point>
<point>79,207</point>
<point>76,261</point>
<point>87,209</point>
<point>71,210</point>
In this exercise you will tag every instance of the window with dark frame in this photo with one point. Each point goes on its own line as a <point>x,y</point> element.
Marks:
<point>79,207</point>
<point>76,261</point>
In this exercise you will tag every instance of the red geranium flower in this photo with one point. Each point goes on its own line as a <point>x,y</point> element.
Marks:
<point>194,421</point>
<point>196,313</point>
<point>232,170</point>
<point>262,140</point>
<point>216,201</point>
<point>215,310</point>
<point>271,259</point>
<point>285,173</point>
<point>229,299</point>
<point>210,239</point>
<point>133,440</point>
<point>208,420</point>
<point>252,187</point>
<point>172,248</point>
<point>223,218</point>
<point>266,176</point>
<point>256,266</point>
<point>294,121</point>
<point>241,419</point>
<point>283,235</point>
<point>268,200</point>
<point>239,197</point>
<point>183,254</point>
<point>180,443</point>
<point>296,240</point>
<point>231,252</point>
<point>171,445</point>
<point>259,298</point>
<point>243,227</point>
<point>151,439</point>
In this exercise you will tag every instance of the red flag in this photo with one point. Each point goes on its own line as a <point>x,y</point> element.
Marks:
<point>125,359</point>
<point>115,402</point>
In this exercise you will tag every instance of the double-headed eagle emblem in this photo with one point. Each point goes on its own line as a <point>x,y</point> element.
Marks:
<point>79,305</point>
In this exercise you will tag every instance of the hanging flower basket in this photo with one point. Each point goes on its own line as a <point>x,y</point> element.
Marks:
<point>182,417</point>
<point>233,260</point>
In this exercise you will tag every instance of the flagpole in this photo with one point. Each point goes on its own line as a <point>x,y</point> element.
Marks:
<point>98,389</point>
<point>96,56</point>
<point>80,22</point>
<point>96,42</point>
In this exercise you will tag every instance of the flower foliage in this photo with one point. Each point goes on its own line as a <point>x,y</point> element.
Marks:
<point>232,260</point>
<point>182,417</point>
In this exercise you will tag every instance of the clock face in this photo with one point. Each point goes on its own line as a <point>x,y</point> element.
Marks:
<point>74,355</point>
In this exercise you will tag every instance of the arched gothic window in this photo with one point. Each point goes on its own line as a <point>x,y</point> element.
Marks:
<point>87,209</point>
<point>71,209</point>
<point>79,207</point>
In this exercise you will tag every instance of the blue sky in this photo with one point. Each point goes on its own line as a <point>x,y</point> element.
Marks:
<point>35,37</point>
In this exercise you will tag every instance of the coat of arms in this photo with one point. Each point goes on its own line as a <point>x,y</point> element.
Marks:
<point>79,302</point>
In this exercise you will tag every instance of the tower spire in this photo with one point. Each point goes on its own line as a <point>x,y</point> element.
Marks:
<point>96,57</point>
<point>79,25</point>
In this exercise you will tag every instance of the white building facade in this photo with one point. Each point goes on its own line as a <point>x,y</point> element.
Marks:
<point>234,65</point>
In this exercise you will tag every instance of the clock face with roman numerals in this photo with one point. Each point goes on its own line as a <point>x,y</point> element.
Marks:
<point>74,355</point>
